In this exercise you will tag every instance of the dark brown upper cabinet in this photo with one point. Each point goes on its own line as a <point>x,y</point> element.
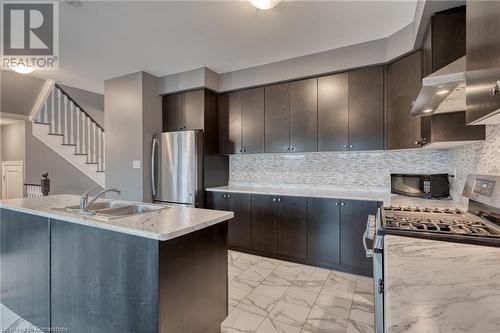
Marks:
<point>184,111</point>
<point>366,108</point>
<point>333,112</point>
<point>304,115</point>
<point>403,83</point>
<point>252,120</point>
<point>483,60</point>
<point>242,121</point>
<point>444,41</point>
<point>277,118</point>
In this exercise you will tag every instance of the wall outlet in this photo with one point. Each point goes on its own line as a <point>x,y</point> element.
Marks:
<point>136,164</point>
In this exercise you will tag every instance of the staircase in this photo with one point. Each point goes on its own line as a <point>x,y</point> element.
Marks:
<point>64,126</point>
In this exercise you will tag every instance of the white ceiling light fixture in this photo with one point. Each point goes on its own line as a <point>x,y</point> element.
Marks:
<point>22,69</point>
<point>264,4</point>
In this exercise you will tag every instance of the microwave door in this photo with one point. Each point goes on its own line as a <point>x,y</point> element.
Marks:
<point>176,167</point>
<point>407,185</point>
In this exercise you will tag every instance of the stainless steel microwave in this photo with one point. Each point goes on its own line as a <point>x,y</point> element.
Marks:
<point>421,185</point>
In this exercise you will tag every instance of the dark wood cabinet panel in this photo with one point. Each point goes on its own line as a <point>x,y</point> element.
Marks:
<point>304,115</point>
<point>193,110</point>
<point>353,217</point>
<point>333,112</point>
<point>216,200</point>
<point>452,127</point>
<point>483,58</point>
<point>229,106</point>
<point>24,268</point>
<point>252,120</point>
<point>277,120</point>
<point>240,227</point>
<point>264,228</point>
<point>292,226</point>
<point>323,231</point>
<point>403,83</point>
<point>366,109</point>
<point>172,113</point>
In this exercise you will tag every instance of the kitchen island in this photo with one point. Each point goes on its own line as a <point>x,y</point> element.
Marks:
<point>160,271</point>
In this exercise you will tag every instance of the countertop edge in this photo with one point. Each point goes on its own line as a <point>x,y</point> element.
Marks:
<point>116,228</point>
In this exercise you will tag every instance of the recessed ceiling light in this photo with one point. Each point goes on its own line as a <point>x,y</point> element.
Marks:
<point>442,92</point>
<point>427,110</point>
<point>264,4</point>
<point>22,69</point>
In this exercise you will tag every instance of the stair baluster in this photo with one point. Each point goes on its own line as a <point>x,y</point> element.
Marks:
<point>58,112</point>
<point>72,110</point>
<point>89,156</point>
<point>103,152</point>
<point>65,133</point>
<point>94,130</point>
<point>78,147</point>
<point>53,121</point>
<point>84,147</point>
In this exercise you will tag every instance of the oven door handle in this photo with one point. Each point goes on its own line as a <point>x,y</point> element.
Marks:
<point>366,234</point>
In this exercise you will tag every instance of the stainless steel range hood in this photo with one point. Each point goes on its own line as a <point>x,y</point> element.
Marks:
<point>442,91</point>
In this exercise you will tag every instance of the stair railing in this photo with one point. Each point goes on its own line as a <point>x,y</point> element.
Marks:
<point>69,120</point>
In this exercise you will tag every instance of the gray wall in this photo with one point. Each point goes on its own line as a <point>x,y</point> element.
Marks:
<point>12,142</point>
<point>18,92</point>
<point>133,114</point>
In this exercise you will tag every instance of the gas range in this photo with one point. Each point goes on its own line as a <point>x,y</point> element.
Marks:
<point>479,225</point>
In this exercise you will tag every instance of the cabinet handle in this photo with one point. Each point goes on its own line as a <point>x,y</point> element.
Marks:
<point>224,196</point>
<point>350,146</point>
<point>293,148</point>
<point>495,88</point>
<point>244,150</point>
<point>274,199</point>
<point>241,150</point>
<point>279,199</point>
<point>228,196</point>
<point>336,203</point>
<point>345,146</point>
<point>342,203</point>
<point>288,149</point>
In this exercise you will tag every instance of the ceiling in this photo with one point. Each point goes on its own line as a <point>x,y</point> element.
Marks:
<point>101,40</point>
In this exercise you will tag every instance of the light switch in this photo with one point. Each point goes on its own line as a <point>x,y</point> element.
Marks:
<point>136,164</point>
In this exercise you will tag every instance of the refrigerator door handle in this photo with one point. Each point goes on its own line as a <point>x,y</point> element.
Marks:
<point>153,176</point>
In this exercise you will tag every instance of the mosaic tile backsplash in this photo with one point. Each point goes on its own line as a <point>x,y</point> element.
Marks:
<point>367,169</point>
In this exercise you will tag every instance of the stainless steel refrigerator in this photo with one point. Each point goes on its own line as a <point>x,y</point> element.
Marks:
<point>177,168</point>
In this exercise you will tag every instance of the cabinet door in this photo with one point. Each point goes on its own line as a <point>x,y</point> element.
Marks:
<point>292,226</point>
<point>229,106</point>
<point>193,109</point>
<point>483,60</point>
<point>240,227</point>
<point>252,120</point>
<point>323,230</point>
<point>172,113</point>
<point>216,200</point>
<point>403,83</point>
<point>304,115</point>
<point>24,268</point>
<point>264,229</point>
<point>353,217</point>
<point>366,109</point>
<point>333,108</point>
<point>277,121</point>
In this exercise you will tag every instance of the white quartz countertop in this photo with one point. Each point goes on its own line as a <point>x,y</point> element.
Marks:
<point>436,286</point>
<point>164,224</point>
<point>351,193</point>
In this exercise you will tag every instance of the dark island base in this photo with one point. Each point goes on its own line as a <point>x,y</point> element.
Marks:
<point>65,275</point>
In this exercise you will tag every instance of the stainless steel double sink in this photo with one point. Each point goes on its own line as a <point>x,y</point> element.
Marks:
<point>111,209</point>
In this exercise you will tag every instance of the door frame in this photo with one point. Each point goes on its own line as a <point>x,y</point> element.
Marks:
<point>12,163</point>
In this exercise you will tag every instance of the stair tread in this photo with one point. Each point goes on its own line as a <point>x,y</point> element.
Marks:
<point>80,154</point>
<point>41,123</point>
<point>91,162</point>
<point>68,144</point>
<point>55,134</point>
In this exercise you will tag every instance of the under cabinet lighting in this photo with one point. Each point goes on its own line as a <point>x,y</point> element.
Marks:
<point>442,92</point>
<point>264,4</point>
<point>427,110</point>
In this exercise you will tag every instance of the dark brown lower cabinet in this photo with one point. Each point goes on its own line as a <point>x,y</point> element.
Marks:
<point>317,231</point>
<point>353,217</point>
<point>323,231</point>
<point>240,227</point>
<point>264,226</point>
<point>292,226</point>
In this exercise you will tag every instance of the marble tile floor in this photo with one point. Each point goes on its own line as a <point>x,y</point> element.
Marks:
<point>273,296</point>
